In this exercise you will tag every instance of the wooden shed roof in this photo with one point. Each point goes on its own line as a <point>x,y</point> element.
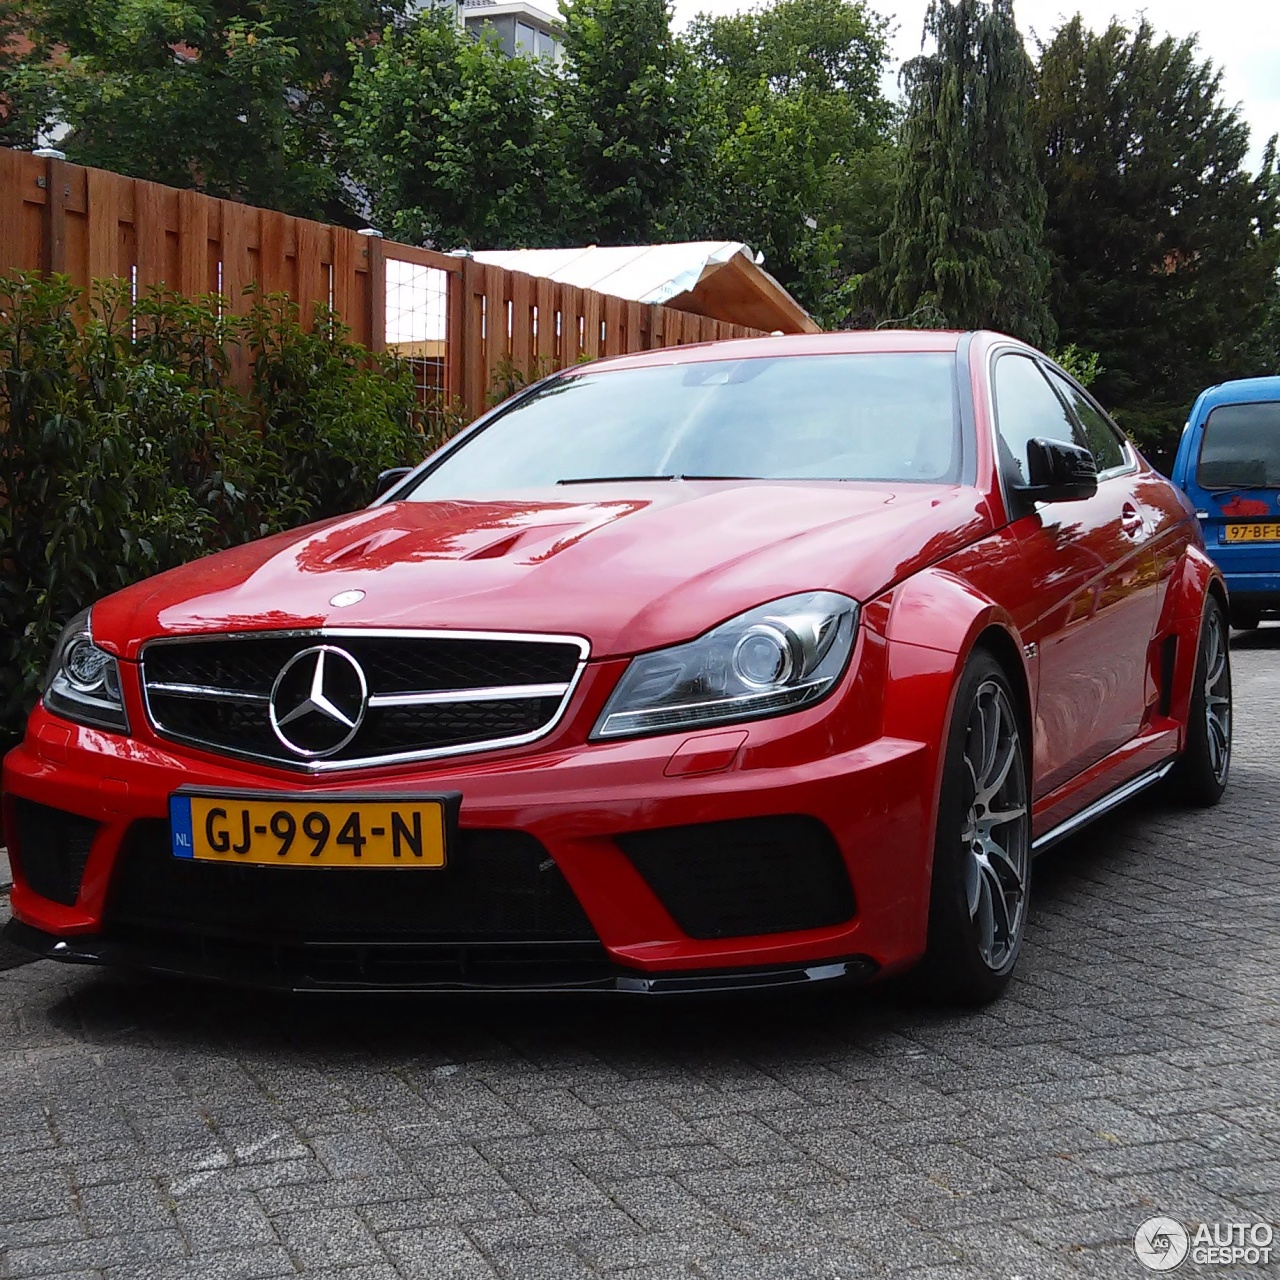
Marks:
<point>716,278</point>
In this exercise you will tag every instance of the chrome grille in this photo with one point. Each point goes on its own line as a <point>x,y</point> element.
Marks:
<point>422,694</point>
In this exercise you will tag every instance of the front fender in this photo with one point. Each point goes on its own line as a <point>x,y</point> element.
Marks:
<point>930,625</point>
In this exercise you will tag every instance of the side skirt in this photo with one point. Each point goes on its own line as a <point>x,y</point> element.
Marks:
<point>1104,804</point>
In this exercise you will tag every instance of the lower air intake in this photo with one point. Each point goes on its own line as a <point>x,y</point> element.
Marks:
<point>744,877</point>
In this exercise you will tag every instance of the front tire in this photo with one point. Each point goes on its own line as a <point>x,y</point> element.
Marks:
<point>1200,776</point>
<point>1246,617</point>
<point>982,846</point>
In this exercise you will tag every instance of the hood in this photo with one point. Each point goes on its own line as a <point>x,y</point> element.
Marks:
<point>628,566</point>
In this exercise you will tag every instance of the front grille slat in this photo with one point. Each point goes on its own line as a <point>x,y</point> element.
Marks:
<point>430,693</point>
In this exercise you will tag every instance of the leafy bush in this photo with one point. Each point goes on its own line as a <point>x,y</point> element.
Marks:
<point>125,447</point>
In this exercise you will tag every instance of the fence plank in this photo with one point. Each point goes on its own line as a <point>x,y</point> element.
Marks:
<point>591,317</point>
<point>496,337</point>
<point>522,324</point>
<point>346,253</point>
<point>545,346</point>
<point>193,245</point>
<point>149,237</point>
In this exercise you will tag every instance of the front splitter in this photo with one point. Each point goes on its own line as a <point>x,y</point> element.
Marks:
<point>461,968</point>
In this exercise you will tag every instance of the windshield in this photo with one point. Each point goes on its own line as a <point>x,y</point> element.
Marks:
<point>872,416</point>
<point>1241,447</point>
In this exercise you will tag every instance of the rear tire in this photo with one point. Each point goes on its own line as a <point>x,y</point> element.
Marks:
<point>1200,776</point>
<point>1245,617</point>
<point>982,846</point>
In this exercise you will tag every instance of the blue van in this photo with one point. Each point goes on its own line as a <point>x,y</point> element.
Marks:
<point>1228,464</point>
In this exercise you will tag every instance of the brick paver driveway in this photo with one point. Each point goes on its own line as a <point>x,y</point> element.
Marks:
<point>154,1130</point>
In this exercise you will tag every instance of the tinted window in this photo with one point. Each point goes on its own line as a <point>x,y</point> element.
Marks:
<point>1026,408</point>
<point>849,417</point>
<point>1100,437</point>
<point>1241,447</point>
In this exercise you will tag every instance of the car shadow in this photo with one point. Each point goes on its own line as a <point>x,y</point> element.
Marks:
<point>1266,636</point>
<point>713,1030</point>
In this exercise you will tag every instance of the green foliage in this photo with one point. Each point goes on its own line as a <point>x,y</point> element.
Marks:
<point>125,450</point>
<point>509,377</point>
<point>24,87</point>
<point>452,140</point>
<point>232,97</point>
<point>969,210</point>
<point>804,168</point>
<point>637,136</point>
<point>1083,366</point>
<point>1164,248</point>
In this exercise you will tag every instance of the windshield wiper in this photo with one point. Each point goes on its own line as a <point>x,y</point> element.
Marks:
<point>628,479</point>
<point>611,479</point>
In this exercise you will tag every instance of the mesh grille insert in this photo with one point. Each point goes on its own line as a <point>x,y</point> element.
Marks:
<point>499,886</point>
<point>744,877</point>
<point>52,848</point>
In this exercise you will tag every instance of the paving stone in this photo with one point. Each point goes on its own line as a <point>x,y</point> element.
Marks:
<point>164,1131</point>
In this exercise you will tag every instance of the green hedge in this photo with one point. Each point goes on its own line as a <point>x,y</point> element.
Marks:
<point>126,449</point>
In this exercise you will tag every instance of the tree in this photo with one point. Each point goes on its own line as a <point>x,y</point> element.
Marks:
<point>1163,246</point>
<point>232,97</point>
<point>968,216</point>
<point>803,166</point>
<point>451,140</point>
<point>23,81</point>
<point>636,133</point>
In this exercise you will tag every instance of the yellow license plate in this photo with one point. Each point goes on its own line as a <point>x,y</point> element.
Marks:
<point>1267,532</point>
<point>309,831</point>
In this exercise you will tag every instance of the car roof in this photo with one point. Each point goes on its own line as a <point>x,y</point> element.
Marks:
<point>1241,390</point>
<point>792,344</point>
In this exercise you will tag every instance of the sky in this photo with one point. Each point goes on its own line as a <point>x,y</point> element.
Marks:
<point>1241,36</point>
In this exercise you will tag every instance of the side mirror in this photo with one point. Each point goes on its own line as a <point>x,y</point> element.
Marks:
<point>1059,472</point>
<point>388,479</point>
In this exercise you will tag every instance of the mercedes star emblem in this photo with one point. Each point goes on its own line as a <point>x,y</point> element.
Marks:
<point>318,701</point>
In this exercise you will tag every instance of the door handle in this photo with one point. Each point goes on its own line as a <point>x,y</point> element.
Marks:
<point>1132,520</point>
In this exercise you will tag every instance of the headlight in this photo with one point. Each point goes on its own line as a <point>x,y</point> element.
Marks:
<point>83,681</point>
<point>779,657</point>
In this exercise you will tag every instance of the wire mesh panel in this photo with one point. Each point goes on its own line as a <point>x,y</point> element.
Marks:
<point>417,323</point>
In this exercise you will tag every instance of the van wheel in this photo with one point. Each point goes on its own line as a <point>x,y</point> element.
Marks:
<point>1245,617</point>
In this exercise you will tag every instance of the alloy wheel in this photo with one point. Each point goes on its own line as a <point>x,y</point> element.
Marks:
<point>1217,696</point>
<point>996,829</point>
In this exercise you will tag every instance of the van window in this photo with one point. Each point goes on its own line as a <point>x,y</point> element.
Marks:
<point>1241,447</point>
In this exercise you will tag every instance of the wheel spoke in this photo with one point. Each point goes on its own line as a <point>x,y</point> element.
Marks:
<point>991,785</point>
<point>1001,925</point>
<point>984,920</point>
<point>1000,817</point>
<point>1007,874</point>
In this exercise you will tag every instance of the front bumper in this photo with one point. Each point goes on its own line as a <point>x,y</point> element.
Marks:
<point>582,806</point>
<point>500,968</point>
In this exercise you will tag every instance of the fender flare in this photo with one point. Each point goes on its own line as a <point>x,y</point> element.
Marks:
<point>931,624</point>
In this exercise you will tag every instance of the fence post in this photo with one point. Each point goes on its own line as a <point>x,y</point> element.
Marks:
<point>56,190</point>
<point>377,293</point>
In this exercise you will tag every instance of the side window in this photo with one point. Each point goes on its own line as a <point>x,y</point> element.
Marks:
<point>1101,438</point>
<point>1026,408</point>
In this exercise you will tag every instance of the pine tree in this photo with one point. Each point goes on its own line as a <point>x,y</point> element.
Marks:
<point>965,238</point>
<point>1163,246</point>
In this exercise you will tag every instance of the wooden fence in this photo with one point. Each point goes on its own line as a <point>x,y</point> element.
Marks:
<point>465,326</point>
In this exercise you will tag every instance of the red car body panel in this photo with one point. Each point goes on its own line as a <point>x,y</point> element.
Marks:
<point>1095,606</point>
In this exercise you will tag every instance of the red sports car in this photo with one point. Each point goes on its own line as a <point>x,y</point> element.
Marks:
<point>754,663</point>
